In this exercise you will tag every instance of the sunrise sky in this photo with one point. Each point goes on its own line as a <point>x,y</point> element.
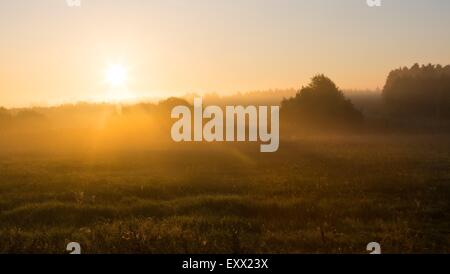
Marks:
<point>122,49</point>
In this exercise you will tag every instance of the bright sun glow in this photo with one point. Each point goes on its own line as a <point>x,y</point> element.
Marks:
<point>116,75</point>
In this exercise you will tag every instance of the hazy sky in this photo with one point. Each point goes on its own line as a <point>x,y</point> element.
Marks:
<point>50,53</point>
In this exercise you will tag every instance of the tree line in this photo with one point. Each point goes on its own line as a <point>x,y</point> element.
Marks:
<point>411,96</point>
<point>419,92</point>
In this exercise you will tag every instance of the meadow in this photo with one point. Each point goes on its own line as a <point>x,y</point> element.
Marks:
<point>101,139</point>
<point>332,194</point>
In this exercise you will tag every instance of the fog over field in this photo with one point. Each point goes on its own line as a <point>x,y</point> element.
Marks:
<point>110,176</point>
<point>236,127</point>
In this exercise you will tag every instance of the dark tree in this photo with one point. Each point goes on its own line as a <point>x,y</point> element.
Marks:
<point>4,115</point>
<point>418,92</point>
<point>321,104</point>
<point>3,112</point>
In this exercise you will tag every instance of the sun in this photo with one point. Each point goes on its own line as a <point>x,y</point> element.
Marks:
<point>116,75</point>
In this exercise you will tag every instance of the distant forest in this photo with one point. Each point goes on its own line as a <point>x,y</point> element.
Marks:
<point>415,97</point>
<point>419,92</point>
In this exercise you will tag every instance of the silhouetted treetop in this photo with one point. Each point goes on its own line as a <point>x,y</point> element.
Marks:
<point>173,102</point>
<point>4,114</point>
<point>3,111</point>
<point>320,103</point>
<point>419,91</point>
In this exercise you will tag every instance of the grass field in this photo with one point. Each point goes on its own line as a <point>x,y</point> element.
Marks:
<point>314,195</point>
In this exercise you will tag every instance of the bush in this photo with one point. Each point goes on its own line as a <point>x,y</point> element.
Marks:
<point>320,105</point>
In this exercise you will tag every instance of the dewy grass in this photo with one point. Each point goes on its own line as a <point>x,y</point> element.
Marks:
<point>323,195</point>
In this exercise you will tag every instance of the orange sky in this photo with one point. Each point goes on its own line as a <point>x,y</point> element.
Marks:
<point>51,53</point>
